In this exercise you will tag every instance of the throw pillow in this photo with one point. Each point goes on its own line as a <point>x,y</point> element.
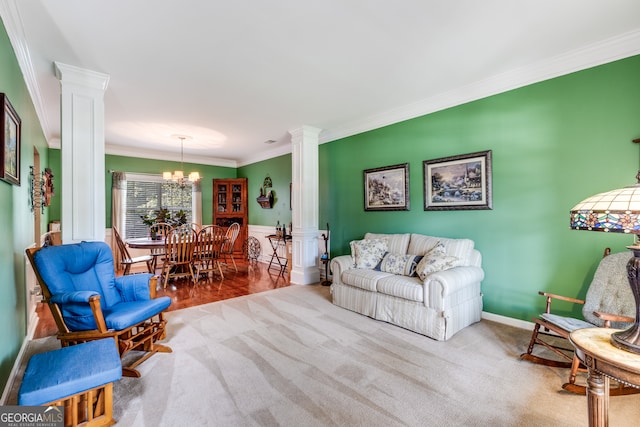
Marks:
<point>403,264</point>
<point>367,253</point>
<point>435,260</point>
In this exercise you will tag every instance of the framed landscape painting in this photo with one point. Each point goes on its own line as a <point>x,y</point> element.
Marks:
<point>458,182</point>
<point>10,153</point>
<point>387,188</point>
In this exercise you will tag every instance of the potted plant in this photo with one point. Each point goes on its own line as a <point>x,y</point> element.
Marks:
<point>160,215</point>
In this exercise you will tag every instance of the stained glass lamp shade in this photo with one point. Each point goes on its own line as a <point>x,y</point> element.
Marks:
<point>617,211</point>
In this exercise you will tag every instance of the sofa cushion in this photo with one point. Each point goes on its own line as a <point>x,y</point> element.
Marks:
<point>396,243</point>
<point>409,288</point>
<point>363,278</point>
<point>403,264</point>
<point>436,260</point>
<point>459,248</point>
<point>367,253</point>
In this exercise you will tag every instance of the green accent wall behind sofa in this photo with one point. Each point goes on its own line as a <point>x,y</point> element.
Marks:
<point>16,218</point>
<point>554,143</point>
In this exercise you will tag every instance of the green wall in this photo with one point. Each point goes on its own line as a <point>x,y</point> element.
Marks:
<point>554,143</point>
<point>279,170</point>
<point>16,218</point>
<point>137,165</point>
<point>131,164</point>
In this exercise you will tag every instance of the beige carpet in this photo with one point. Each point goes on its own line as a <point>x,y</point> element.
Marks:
<point>289,357</point>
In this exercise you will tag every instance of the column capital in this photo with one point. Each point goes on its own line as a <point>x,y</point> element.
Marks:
<point>80,76</point>
<point>304,132</point>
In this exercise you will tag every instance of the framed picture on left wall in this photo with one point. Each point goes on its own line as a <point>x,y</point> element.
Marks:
<point>10,141</point>
<point>387,188</point>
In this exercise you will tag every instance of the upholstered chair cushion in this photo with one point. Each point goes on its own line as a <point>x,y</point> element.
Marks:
<point>609,291</point>
<point>76,272</point>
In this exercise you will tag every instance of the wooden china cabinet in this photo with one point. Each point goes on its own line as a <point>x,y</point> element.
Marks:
<point>230,205</point>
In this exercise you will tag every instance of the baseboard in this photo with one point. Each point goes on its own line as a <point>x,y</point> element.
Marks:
<point>510,321</point>
<point>13,375</point>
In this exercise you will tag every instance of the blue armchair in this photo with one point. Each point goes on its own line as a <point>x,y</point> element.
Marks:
<point>89,302</point>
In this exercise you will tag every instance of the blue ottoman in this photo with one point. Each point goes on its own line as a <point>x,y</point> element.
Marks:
<point>78,377</point>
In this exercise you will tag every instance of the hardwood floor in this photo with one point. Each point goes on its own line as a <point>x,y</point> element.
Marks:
<point>251,278</point>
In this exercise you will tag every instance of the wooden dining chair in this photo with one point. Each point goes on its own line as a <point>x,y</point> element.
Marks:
<point>195,226</point>
<point>160,230</point>
<point>179,247</point>
<point>227,248</point>
<point>127,260</point>
<point>210,242</point>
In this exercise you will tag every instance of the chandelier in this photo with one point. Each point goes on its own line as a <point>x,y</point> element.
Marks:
<point>178,176</point>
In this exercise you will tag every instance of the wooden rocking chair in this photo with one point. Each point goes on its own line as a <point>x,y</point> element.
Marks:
<point>88,302</point>
<point>608,293</point>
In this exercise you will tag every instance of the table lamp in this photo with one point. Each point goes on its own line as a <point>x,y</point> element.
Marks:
<point>617,211</point>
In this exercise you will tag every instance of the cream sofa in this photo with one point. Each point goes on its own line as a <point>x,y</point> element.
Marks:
<point>447,300</point>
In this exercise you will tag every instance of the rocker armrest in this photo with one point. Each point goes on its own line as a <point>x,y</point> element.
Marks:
<point>440,285</point>
<point>340,264</point>
<point>551,297</point>
<point>137,287</point>
<point>560,297</point>
<point>608,318</point>
<point>76,296</point>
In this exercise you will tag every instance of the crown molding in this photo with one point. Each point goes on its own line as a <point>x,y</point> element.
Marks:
<point>602,52</point>
<point>15,30</point>
<point>266,155</point>
<point>119,150</point>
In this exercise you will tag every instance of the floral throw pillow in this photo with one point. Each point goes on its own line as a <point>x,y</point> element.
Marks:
<point>403,264</point>
<point>367,253</point>
<point>435,260</point>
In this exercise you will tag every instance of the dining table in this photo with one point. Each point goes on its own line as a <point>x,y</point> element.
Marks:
<point>155,247</point>
<point>145,243</point>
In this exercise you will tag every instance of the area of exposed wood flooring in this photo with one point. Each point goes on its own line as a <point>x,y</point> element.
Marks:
<point>251,278</point>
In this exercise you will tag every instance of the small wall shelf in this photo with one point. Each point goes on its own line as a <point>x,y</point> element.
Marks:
<point>266,201</point>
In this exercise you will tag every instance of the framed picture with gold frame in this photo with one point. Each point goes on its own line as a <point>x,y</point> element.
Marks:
<point>10,153</point>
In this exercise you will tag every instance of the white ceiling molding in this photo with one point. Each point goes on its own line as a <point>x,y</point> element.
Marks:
<point>15,30</point>
<point>605,51</point>
<point>119,150</point>
<point>266,155</point>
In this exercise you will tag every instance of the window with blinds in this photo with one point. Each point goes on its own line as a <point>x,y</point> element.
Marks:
<point>145,196</point>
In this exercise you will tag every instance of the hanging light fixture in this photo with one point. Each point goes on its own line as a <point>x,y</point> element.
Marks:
<point>178,176</point>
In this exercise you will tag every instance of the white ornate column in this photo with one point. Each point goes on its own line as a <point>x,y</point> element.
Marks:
<point>82,153</point>
<point>304,199</point>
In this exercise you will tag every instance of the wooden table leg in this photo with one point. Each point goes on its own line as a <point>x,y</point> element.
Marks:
<point>597,398</point>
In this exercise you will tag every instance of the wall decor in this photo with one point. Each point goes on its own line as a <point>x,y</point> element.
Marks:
<point>458,182</point>
<point>10,153</point>
<point>387,188</point>
<point>266,197</point>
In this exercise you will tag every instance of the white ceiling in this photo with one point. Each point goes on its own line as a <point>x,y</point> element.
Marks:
<point>234,74</point>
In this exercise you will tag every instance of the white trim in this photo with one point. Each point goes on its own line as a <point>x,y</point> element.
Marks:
<point>119,150</point>
<point>510,321</point>
<point>146,177</point>
<point>13,375</point>
<point>602,52</point>
<point>15,30</point>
